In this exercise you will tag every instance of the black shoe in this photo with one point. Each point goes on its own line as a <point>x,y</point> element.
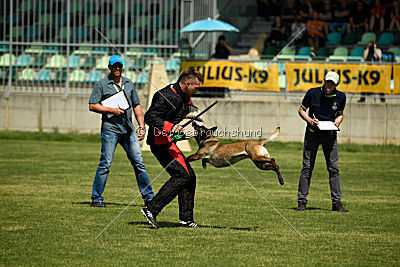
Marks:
<point>98,204</point>
<point>361,100</point>
<point>146,203</point>
<point>188,224</point>
<point>150,217</point>
<point>302,206</point>
<point>339,207</point>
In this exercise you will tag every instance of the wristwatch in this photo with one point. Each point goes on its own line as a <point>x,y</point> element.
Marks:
<point>140,128</point>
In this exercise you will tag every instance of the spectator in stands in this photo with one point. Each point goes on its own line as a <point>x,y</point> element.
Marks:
<point>395,16</point>
<point>341,17</point>
<point>277,32</point>
<point>358,18</point>
<point>222,49</point>
<point>118,129</point>
<point>288,15</point>
<point>378,12</point>
<point>297,26</point>
<point>326,15</point>
<point>372,54</point>
<point>314,32</point>
<point>268,8</point>
<point>305,10</point>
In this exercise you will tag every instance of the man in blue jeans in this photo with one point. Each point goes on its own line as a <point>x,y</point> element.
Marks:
<point>118,128</point>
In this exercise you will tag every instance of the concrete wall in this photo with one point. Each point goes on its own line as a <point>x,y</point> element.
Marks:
<point>363,124</point>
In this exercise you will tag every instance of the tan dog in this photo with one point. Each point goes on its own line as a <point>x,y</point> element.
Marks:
<point>212,151</point>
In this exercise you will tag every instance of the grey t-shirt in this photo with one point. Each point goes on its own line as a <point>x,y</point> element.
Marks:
<point>106,88</point>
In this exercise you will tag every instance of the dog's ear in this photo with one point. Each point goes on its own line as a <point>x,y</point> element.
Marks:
<point>212,130</point>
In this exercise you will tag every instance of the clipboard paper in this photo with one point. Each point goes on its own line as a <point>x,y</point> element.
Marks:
<point>117,100</point>
<point>327,126</point>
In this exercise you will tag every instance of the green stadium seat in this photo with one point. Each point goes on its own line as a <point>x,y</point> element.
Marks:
<point>45,20</point>
<point>321,54</point>
<point>269,52</point>
<point>128,63</point>
<point>119,9</point>
<point>14,75</point>
<point>396,51</point>
<point>27,75</point>
<point>6,60</point>
<point>94,76</point>
<point>333,38</point>
<point>350,38</point>
<point>140,63</point>
<point>356,54</point>
<point>44,76</point>
<point>175,77</point>
<point>73,62</point>
<point>241,22</point>
<point>33,33</point>
<point>304,53</point>
<point>4,48</point>
<point>339,54</point>
<point>173,64</point>
<point>100,50</point>
<point>134,51</point>
<point>16,17</point>
<point>77,76</point>
<point>131,75</point>
<point>133,35</point>
<point>61,20</point>
<point>61,76</point>
<point>62,35</point>
<point>89,63</point>
<point>52,49</point>
<point>93,21</point>
<point>34,49</point>
<point>39,61</point>
<point>56,62</point>
<point>163,36</point>
<point>42,6</point>
<point>366,38</point>
<point>385,38</point>
<point>115,35</point>
<point>141,22</point>
<point>84,50</point>
<point>25,6</point>
<point>81,34</point>
<point>103,65</point>
<point>75,7</point>
<point>109,21</point>
<point>287,53</point>
<point>91,7</point>
<point>17,33</point>
<point>142,78</point>
<point>137,8</point>
<point>23,61</point>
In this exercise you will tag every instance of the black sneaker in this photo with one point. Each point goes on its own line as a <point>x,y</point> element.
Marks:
<point>98,204</point>
<point>149,216</point>
<point>188,224</point>
<point>146,203</point>
<point>339,207</point>
<point>302,206</point>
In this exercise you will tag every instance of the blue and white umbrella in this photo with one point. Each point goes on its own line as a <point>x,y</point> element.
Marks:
<point>209,25</point>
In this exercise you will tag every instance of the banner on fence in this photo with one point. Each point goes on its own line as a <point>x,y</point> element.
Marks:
<point>354,78</point>
<point>231,74</point>
<point>396,79</point>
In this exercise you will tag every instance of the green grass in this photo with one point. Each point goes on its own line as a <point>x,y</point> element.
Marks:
<point>45,188</point>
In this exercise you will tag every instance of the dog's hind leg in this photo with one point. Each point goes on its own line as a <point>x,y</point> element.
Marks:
<point>267,164</point>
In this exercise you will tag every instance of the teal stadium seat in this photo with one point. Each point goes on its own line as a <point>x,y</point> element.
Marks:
<point>73,62</point>
<point>356,54</point>
<point>366,38</point>
<point>44,76</point>
<point>287,53</point>
<point>61,76</point>
<point>140,63</point>
<point>89,63</point>
<point>269,52</point>
<point>349,38</point>
<point>304,53</point>
<point>339,54</point>
<point>385,38</point>
<point>94,76</point>
<point>173,64</point>
<point>131,75</point>
<point>142,78</point>
<point>14,75</point>
<point>39,61</point>
<point>334,38</point>
<point>23,61</point>
<point>321,54</point>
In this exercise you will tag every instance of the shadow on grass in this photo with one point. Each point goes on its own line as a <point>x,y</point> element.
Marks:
<point>311,208</point>
<point>87,203</point>
<point>177,225</point>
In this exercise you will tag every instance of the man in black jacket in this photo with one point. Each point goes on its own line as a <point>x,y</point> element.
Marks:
<point>169,106</point>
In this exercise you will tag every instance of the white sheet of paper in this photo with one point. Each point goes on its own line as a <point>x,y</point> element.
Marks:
<point>117,100</point>
<point>327,126</point>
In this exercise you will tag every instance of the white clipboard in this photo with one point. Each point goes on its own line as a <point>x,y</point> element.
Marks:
<point>117,100</point>
<point>327,126</point>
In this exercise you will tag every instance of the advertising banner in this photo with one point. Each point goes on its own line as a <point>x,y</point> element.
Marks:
<point>396,79</point>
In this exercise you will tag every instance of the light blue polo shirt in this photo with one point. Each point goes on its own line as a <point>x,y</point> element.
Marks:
<point>106,88</point>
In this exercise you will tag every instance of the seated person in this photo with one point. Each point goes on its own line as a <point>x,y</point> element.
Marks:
<point>341,17</point>
<point>358,18</point>
<point>277,32</point>
<point>378,12</point>
<point>222,49</point>
<point>326,15</point>
<point>395,16</point>
<point>314,32</point>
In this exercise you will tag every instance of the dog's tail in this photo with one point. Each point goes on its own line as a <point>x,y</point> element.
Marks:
<point>272,137</point>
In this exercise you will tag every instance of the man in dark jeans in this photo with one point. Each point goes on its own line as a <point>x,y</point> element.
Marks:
<point>325,104</point>
<point>169,106</point>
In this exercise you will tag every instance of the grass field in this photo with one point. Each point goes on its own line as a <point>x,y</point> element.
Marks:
<point>45,188</point>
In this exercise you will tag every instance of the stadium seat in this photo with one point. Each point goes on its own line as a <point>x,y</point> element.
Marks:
<point>91,7</point>
<point>61,20</point>
<point>356,54</point>
<point>385,38</point>
<point>34,49</point>
<point>128,63</point>
<point>89,63</point>
<point>142,78</point>
<point>131,75</point>
<point>241,22</point>
<point>173,64</point>
<point>4,48</point>
<point>84,50</point>
<point>269,52</point>
<point>42,6</point>
<point>287,53</point>
<point>43,76</point>
<point>61,76</point>
<point>109,21</point>
<point>114,35</point>
<point>366,38</point>
<point>304,53</point>
<point>140,63</point>
<point>163,35</point>
<point>73,62</point>
<point>45,20</point>
<point>100,50</point>
<point>333,38</point>
<point>339,54</point>
<point>141,22</point>
<point>23,61</point>
<point>321,54</point>
<point>350,38</point>
<point>17,33</point>
<point>133,35</point>
<point>77,76</point>
<point>27,75</point>
<point>137,8</point>
<point>396,51</point>
<point>81,34</point>
<point>134,51</point>
<point>16,17</point>
<point>119,9</point>
<point>52,49</point>
<point>14,75</point>
<point>39,61</point>
<point>56,62</point>
<point>175,77</point>
<point>103,65</point>
<point>25,6</point>
<point>150,52</point>
<point>33,33</point>
<point>6,60</point>
<point>94,76</point>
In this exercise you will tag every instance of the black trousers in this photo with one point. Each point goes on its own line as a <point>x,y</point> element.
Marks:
<point>182,182</point>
